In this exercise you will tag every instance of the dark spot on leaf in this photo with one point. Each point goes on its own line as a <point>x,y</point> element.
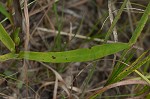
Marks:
<point>53,57</point>
<point>126,70</point>
<point>66,59</point>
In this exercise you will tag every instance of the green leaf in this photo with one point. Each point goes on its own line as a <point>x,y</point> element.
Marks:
<point>79,55</point>
<point>140,25</point>
<point>6,39</point>
<point>117,69</point>
<point>4,12</point>
<point>137,64</point>
<point>142,76</point>
<point>15,36</point>
<point>7,56</point>
<point>8,72</point>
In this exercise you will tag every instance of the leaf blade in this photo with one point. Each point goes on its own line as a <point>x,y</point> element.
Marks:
<point>7,57</point>
<point>4,12</point>
<point>79,55</point>
<point>132,41</point>
<point>6,39</point>
<point>132,67</point>
<point>140,25</point>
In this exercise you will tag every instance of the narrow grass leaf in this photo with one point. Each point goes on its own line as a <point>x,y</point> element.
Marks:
<point>115,20</point>
<point>140,25</point>
<point>59,22</point>
<point>87,80</point>
<point>142,76</point>
<point>143,90</point>
<point>119,67</point>
<point>121,83</point>
<point>132,41</point>
<point>4,12</point>
<point>79,55</point>
<point>6,39</point>
<point>131,69</point>
<point>7,57</point>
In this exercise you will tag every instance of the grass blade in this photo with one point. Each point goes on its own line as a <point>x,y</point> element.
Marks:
<point>142,76</point>
<point>132,68</point>
<point>6,39</point>
<point>115,20</point>
<point>121,83</point>
<point>79,55</point>
<point>133,40</point>
<point>4,12</point>
<point>119,67</point>
<point>7,57</point>
<point>140,25</point>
